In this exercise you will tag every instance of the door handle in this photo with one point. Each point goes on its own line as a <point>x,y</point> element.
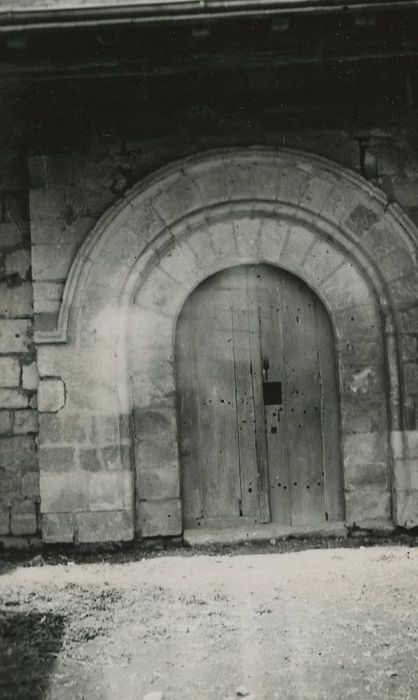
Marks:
<point>266,367</point>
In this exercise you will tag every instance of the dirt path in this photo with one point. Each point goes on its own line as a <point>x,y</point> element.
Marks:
<point>330,623</point>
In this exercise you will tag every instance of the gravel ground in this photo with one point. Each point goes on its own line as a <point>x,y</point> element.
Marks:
<point>334,623</point>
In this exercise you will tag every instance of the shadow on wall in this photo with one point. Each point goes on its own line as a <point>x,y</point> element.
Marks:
<point>29,643</point>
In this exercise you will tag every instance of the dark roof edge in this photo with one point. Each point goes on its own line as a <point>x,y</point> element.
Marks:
<point>153,11</point>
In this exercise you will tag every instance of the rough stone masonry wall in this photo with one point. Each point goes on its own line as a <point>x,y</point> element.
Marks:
<point>69,191</point>
<point>19,472</point>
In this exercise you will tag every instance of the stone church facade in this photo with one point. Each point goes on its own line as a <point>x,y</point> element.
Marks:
<point>122,195</point>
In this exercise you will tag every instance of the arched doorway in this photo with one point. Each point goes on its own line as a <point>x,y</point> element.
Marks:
<point>257,402</point>
<point>113,344</point>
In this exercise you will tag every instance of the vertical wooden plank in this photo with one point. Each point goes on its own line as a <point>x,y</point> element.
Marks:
<point>303,404</point>
<point>213,442</point>
<point>329,410</point>
<point>188,416</point>
<point>271,334</point>
<point>257,385</point>
<point>244,393</point>
<point>218,441</point>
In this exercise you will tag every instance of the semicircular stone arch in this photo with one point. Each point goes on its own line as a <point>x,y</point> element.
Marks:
<point>114,344</point>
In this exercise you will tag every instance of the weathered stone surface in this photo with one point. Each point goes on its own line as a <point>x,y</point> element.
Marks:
<point>160,518</point>
<point>409,321</point>
<point>364,448</point>
<point>362,218</point>
<point>23,518</point>
<point>52,262</point>
<point>15,335</point>
<point>359,322</point>
<point>405,192</point>
<point>30,377</point>
<point>411,377</point>
<point>409,348</point>
<point>47,296</point>
<point>51,395</point>
<point>18,453</point>
<point>10,235</point>
<point>404,292</point>
<point>298,243</point>
<point>6,422</point>
<point>90,461</point>
<point>322,261</point>
<point>109,526</point>
<point>398,264</point>
<point>60,232</point>
<point>25,421</point>
<point>110,490</point>
<point>13,398</point>
<point>345,288</point>
<point>406,508</point>
<point>371,474</point>
<point>411,439</point>
<point>57,527</point>
<point>16,301</point>
<point>62,493</point>
<point>153,452</point>
<point>49,428</point>
<point>9,372</point>
<point>56,459</point>
<point>362,504</point>
<point>18,262</point>
<point>30,484</point>
<point>4,519</point>
<point>158,483</point>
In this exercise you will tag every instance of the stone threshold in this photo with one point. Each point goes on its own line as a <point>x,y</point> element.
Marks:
<point>259,533</point>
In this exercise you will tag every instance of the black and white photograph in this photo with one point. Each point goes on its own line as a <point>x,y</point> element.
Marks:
<point>208,350</point>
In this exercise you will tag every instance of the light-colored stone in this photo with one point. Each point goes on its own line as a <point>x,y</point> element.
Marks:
<point>52,262</point>
<point>154,695</point>
<point>57,527</point>
<point>47,296</point>
<point>158,483</point>
<point>23,518</point>
<point>363,504</point>
<point>406,508</point>
<point>13,398</point>
<point>62,492</point>
<point>160,518</point>
<point>109,526</point>
<point>51,395</point>
<point>9,372</point>
<point>110,490</point>
<point>30,377</point>
<point>15,335</point>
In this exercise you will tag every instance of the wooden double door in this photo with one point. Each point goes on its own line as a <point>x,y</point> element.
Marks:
<point>257,403</point>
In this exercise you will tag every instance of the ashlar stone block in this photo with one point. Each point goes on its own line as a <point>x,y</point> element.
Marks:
<point>9,372</point>
<point>23,518</point>
<point>57,527</point>
<point>160,518</point>
<point>108,526</point>
<point>51,395</point>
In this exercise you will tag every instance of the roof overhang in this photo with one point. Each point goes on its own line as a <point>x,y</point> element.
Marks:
<point>21,15</point>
